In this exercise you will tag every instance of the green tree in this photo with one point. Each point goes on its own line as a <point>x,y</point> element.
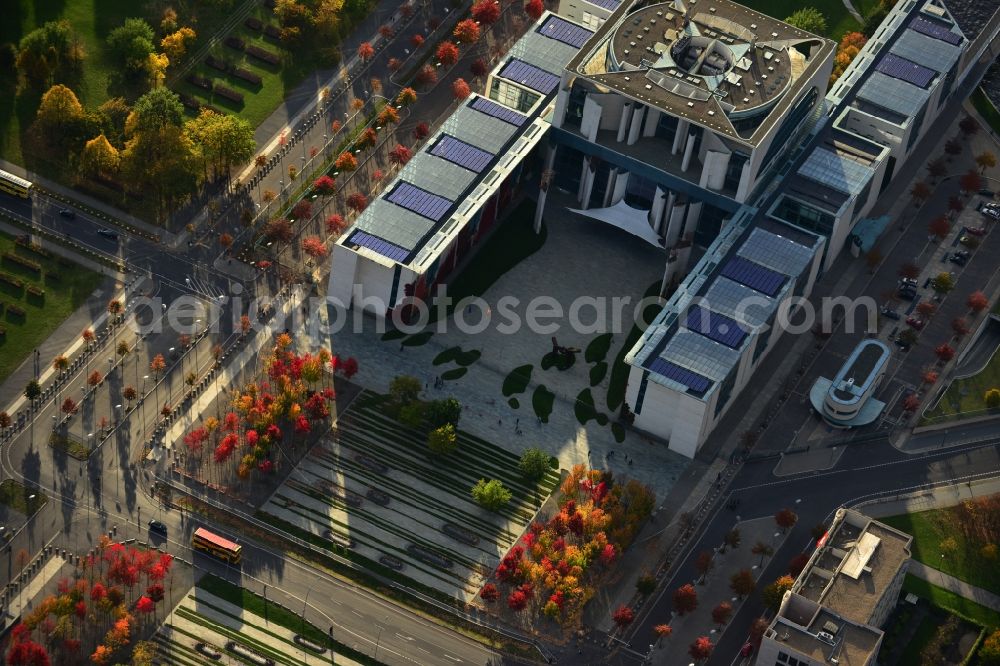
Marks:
<point>113,114</point>
<point>404,389</point>
<point>942,283</point>
<point>412,415</point>
<point>224,140</point>
<point>132,43</point>
<point>645,584</point>
<point>534,463</point>
<point>33,390</point>
<point>809,19</point>
<point>490,494</point>
<point>443,440</point>
<point>47,51</point>
<point>155,111</point>
<point>441,412</point>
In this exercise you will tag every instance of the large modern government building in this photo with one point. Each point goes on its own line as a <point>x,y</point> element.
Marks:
<point>703,127</point>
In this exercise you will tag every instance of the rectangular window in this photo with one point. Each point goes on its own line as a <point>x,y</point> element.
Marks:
<point>511,96</point>
<point>782,657</point>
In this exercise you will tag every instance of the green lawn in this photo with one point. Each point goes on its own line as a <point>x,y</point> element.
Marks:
<point>838,19</point>
<point>20,498</point>
<point>966,395</point>
<point>277,81</point>
<point>986,109</point>
<point>929,529</point>
<point>950,601</point>
<point>66,287</point>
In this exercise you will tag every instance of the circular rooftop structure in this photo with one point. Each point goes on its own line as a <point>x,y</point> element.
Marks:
<point>704,51</point>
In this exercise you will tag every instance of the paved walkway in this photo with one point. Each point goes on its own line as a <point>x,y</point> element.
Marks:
<point>952,584</point>
<point>930,498</point>
<point>24,597</point>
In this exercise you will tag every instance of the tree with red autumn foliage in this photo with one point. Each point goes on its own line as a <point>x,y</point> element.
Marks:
<point>335,224</point>
<point>661,631</point>
<point>486,12</point>
<point>400,155</point>
<point>944,352</point>
<point>517,601</point>
<point>685,599</point>
<point>703,563</point>
<point>421,131</point>
<point>460,89</point>
<point>394,64</point>
<point>742,583</point>
<point>388,116</point>
<point>785,519</point>
<point>701,649</point>
<point>926,308</point>
<point>920,192</point>
<point>489,592</point>
<point>386,31</point>
<point>929,376</point>
<point>722,613</point>
<point>302,210</point>
<point>314,247</point>
<point>534,9</point>
<point>278,230</point>
<point>960,326</point>
<point>357,201</point>
<point>623,616</point>
<point>939,227</point>
<point>427,76</point>
<point>366,51</point>
<point>970,181</point>
<point>977,302</point>
<point>69,406</point>
<point>447,53</point>
<point>466,31</point>
<point>478,68</point>
<point>908,270</point>
<point>95,378</point>
<point>325,185</point>
<point>911,403</point>
<point>417,41</point>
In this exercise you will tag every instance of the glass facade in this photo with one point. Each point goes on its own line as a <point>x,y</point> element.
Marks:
<point>803,215</point>
<point>640,192</point>
<point>512,96</point>
<point>782,139</point>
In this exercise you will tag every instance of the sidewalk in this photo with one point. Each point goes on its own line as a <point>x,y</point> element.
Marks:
<point>23,598</point>
<point>952,584</point>
<point>930,498</point>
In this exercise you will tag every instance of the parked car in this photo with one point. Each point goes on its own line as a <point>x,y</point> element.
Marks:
<point>986,193</point>
<point>746,650</point>
<point>890,313</point>
<point>993,213</point>
<point>67,213</point>
<point>958,259</point>
<point>976,231</point>
<point>902,344</point>
<point>157,526</point>
<point>907,293</point>
<point>916,322</point>
<point>908,281</point>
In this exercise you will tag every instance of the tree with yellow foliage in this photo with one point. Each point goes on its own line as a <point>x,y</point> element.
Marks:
<point>156,68</point>
<point>59,106</point>
<point>176,44</point>
<point>100,158</point>
<point>850,45</point>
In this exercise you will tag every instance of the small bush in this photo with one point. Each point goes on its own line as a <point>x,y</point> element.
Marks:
<point>217,63</point>
<point>271,32</point>
<point>16,310</point>
<point>247,75</point>
<point>490,494</point>
<point>263,55</point>
<point>229,94</point>
<point>235,42</point>
<point>190,102</point>
<point>202,82</point>
<point>27,264</point>
<point>36,291</point>
<point>254,23</point>
<point>10,280</point>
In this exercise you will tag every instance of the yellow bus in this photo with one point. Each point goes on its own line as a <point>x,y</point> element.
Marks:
<point>216,546</point>
<point>15,185</point>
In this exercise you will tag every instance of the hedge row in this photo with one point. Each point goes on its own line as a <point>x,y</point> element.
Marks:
<point>28,264</point>
<point>7,278</point>
<point>228,93</point>
<point>247,75</point>
<point>264,55</point>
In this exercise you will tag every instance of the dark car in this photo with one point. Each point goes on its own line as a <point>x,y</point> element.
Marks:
<point>986,193</point>
<point>108,233</point>
<point>67,213</point>
<point>902,344</point>
<point>907,282</point>
<point>157,526</point>
<point>890,313</point>
<point>958,259</point>
<point>907,293</point>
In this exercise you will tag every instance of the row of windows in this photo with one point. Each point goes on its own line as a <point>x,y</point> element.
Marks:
<point>795,212</point>
<point>790,660</point>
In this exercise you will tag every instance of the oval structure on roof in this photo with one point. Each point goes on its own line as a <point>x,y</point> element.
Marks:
<point>847,401</point>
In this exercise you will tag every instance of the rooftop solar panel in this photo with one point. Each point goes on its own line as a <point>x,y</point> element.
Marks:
<point>692,380</point>
<point>498,111</point>
<point>935,30</point>
<point>462,154</point>
<point>529,75</point>
<point>563,31</point>
<point>419,201</point>
<point>610,5</point>
<point>754,276</point>
<point>376,244</point>
<point>715,326</point>
<point>905,70</point>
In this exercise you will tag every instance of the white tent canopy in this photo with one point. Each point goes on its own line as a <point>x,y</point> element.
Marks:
<point>626,218</point>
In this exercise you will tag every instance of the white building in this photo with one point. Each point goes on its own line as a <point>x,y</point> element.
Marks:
<point>847,400</point>
<point>834,610</point>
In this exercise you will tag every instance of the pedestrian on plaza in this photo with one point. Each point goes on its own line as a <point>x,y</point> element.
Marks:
<point>517,423</point>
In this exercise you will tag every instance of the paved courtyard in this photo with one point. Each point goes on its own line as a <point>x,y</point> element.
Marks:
<point>580,257</point>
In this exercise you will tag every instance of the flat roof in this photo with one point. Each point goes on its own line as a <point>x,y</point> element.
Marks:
<point>852,645</point>
<point>713,65</point>
<point>896,95</point>
<point>461,155</point>
<point>936,54</point>
<point>836,169</point>
<point>859,371</point>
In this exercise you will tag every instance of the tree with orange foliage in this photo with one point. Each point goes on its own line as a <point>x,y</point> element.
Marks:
<point>466,31</point>
<point>486,12</point>
<point>366,51</point>
<point>460,89</point>
<point>850,45</point>
<point>447,53</point>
